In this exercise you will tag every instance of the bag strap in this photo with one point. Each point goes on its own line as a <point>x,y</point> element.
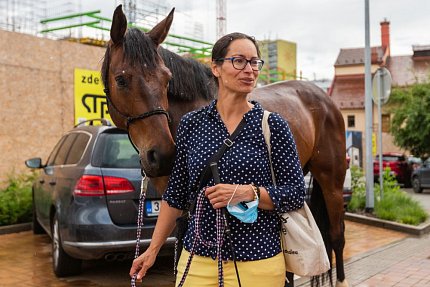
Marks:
<point>206,174</point>
<point>266,132</point>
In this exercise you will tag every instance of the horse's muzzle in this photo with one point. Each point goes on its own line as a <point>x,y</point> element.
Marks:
<point>156,164</point>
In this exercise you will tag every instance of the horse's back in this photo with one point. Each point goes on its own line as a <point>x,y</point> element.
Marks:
<point>309,111</point>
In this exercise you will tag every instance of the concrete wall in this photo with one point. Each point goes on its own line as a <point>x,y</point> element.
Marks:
<point>36,94</point>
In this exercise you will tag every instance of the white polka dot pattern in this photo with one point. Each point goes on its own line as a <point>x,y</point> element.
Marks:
<point>200,134</point>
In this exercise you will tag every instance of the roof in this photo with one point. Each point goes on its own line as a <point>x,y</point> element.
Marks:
<point>355,56</point>
<point>348,91</point>
<point>406,70</point>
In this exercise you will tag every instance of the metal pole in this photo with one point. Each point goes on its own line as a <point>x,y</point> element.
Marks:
<point>221,18</point>
<point>368,113</point>
<point>381,167</point>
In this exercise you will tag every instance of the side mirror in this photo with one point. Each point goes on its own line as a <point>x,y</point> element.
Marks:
<point>34,162</point>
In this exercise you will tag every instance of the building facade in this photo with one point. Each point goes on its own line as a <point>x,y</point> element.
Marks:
<point>280,61</point>
<point>348,90</point>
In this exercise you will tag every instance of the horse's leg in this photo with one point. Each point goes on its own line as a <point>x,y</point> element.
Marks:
<point>328,168</point>
<point>290,279</point>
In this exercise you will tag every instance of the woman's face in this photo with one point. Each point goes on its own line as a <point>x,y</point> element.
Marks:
<point>233,79</point>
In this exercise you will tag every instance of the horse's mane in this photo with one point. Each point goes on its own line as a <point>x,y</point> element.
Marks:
<point>190,79</point>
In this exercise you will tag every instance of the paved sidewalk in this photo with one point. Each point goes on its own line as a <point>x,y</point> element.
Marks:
<point>405,263</point>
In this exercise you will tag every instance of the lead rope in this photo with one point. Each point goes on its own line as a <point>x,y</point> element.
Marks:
<point>220,239</point>
<point>141,209</point>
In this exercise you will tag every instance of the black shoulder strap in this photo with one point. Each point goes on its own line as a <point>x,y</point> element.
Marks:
<point>206,174</point>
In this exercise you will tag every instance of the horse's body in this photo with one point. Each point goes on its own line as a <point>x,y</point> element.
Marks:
<point>134,89</point>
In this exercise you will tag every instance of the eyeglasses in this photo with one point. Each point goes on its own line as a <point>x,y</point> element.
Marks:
<point>239,63</point>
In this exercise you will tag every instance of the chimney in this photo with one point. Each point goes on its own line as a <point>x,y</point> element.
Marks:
<point>385,36</point>
<point>374,55</point>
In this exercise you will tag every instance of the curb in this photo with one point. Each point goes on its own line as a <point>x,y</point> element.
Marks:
<point>15,228</point>
<point>422,229</point>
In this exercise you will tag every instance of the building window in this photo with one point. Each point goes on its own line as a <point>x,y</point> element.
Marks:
<point>386,123</point>
<point>351,121</point>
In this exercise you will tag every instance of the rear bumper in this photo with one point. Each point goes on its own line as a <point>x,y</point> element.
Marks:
<point>98,250</point>
<point>87,232</point>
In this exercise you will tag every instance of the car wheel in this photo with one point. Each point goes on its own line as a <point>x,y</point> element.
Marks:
<point>408,183</point>
<point>63,264</point>
<point>37,228</point>
<point>416,185</point>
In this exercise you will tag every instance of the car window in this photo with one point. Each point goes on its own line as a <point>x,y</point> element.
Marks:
<point>78,148</point>
<point>54,152</point>
<point>61,156</point>
<point>117,151</point>
<point>392,158</point>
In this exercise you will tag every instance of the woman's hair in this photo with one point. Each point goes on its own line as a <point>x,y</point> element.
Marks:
<point>220,48</point>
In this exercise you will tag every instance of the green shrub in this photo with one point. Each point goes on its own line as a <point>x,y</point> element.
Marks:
<point>15,200</point>
<point>395,205</point>
<point>358,186</point>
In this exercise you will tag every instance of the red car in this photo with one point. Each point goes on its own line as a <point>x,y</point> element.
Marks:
<point>398,165</point>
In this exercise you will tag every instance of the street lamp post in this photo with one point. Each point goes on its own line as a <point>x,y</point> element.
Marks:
<point>370,204</point>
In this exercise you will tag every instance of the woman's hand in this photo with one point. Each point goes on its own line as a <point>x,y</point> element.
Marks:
<point>142,263</point>
<point>163,228</point>
<point>220,194</point>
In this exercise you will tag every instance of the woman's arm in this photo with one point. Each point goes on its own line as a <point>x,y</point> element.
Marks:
<point>174,201</point>
<point>164,227</point>
<point>289,192</point>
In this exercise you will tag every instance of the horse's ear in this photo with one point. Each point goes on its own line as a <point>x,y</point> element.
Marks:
<point>119,25</point>
<point>160,31</point>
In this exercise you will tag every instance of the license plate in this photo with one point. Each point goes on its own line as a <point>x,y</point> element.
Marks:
<point>152,207</point>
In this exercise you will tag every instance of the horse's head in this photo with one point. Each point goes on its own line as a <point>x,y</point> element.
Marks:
<point>136,81</point>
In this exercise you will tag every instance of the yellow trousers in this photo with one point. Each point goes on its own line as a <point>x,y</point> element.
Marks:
<point>204,272</point>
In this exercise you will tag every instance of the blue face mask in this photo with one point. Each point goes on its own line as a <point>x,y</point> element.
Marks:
<point>245,212</point>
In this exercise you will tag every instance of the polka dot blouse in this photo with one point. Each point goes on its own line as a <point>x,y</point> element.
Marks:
<point>200,134</point>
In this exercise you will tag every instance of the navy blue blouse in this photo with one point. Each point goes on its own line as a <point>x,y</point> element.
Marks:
<point>200,134</point>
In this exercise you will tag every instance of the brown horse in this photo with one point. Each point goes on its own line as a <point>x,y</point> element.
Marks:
<point>150,88</point>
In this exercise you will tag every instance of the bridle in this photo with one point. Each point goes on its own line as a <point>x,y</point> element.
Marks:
<point>131,119</point>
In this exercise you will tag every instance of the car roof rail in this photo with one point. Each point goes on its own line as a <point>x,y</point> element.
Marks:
<point>104,122</point>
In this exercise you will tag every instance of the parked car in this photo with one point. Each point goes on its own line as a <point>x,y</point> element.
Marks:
<point>399,166</point>
<point>414,162</point>
<point>421,177</point>
<point>86,198</point>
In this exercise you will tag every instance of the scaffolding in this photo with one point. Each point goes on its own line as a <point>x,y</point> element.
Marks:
<point>23,16</point>
<point>92,19</point>
<point>63,19</point>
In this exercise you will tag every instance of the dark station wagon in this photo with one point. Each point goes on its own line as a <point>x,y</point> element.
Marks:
<point>86,198</point>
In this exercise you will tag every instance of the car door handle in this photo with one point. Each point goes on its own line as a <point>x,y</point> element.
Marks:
<point>52,183</point>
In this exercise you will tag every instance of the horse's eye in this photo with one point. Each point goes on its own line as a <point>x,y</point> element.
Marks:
<point>120,81</point>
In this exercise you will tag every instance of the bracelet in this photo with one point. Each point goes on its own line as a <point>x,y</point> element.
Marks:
<point>256,190</point>
<point>234,192</point>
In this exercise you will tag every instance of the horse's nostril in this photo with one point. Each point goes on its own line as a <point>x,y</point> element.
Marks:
<point>152,156</point>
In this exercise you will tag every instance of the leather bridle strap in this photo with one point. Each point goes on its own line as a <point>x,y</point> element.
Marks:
<point>142,116</point>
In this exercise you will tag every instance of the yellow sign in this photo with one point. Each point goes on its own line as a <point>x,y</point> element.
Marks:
<point>90,100</point>
<point>374,144</point>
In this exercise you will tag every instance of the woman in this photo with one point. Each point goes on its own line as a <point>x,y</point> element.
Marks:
<point>245,177</point>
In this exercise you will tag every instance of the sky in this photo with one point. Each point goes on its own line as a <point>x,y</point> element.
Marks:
<point>319,28</point>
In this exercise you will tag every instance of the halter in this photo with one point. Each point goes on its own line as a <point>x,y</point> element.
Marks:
<point>131,119</point>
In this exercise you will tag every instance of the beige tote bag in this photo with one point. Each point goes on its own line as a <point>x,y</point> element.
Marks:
<point>301,240</point>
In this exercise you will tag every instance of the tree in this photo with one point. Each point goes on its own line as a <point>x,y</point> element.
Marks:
<point>410,124</point>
